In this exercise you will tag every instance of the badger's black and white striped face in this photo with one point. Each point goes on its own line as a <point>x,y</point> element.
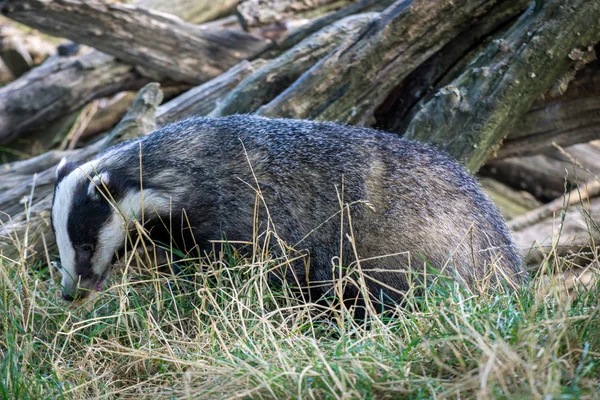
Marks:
<point>91,211</point>
<point>87,227</point>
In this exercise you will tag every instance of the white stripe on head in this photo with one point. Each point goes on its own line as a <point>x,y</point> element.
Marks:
<point>60,165</point>
<point>97,182</point>
<point>112,234</point>
<point>63,201</point>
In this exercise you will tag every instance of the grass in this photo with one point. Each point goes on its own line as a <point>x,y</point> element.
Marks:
<point>219,330</point>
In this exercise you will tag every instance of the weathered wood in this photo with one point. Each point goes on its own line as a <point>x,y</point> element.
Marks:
<point>272,79</point>
<point>22,51</point>
<point>397,110</point>
<point>471,116</point>
<point>202,99</point>
<point>561,232</point>
<point>156,42</point>
<point>60,87</point>
<point>542,176</point>
<point>34,221</point>
<point>350,83</point>
<point>195,12</point>
<point>509,201</point>
<point>262,12</point>
<point>573,117</point>
<point>581,194</point>
<point>16,178</point>
<point>5,74</point>
<point>295,36</point>
<point>547,175</point>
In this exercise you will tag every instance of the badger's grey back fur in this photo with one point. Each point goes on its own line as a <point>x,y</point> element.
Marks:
<point>406,197</point>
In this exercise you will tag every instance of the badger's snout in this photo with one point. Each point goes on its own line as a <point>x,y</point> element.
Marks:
<point>77,290</point>
<point>66,296</point>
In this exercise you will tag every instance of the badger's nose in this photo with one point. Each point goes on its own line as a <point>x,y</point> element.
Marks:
<point>67,296</point>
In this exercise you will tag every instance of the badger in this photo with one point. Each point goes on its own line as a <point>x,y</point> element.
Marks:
<point>409,206</point>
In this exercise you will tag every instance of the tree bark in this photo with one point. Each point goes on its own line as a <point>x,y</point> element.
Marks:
<point>471,116</point>
<point>58,88</point>
<point>272,79</point>
<point>573,117</point>
<point>263,12</point>
<point>21,52</point>
<point>511,203</point>
<point>17,179</point>
<point>195,12</point>
<point>544,177</point>
<point>558,233</point>
<point>350,83</point>
<point>416,89</point>
<point>63,85</point>
<point>202,99</point>
<point>579,195</point>
<point>295,36</point>
<point>159,43</point>
<point>547,175</point>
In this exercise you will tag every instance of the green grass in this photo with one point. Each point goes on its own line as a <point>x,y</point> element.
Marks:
<point>219,330</point>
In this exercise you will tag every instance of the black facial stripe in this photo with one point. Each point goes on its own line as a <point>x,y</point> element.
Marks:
<point>86,217</point>
<point>65,170</point>
<point>83,265</point>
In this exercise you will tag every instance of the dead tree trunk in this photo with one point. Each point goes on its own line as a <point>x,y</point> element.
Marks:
<point>295,36</point>
<point>272,79</point>
<point>195,12</point>
<point>469,117</point>
<point>21,52</point>
<point>60,87</point>
<point>573,117</point>
<point>64,85</point>
<point>350,83</point>
<point>203,99</point>
<point>157,42</point>
<point>262,12</point>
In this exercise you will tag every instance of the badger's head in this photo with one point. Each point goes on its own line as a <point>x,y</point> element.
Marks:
<point>88,227</point>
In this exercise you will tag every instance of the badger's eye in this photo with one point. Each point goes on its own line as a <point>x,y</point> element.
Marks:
<point>86,248</point>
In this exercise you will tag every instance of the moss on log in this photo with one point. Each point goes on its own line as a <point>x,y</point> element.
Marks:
<point>350,83</point>
<point>469,117</point>
<point>272,79</point>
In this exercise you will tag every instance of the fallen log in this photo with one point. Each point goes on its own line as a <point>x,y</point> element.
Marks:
<point>253,13</point>
<point>562,232</point>
<point>404,101</point>
<point>64,85</point>
<point>161,45</point>
<point>581,194</point>
<point>295,36</point>
<point>547,176</point>
<point>203,99</point>
<point>511,203</point>
<point>195,12</point>
<point>507,77</point>
<point>18,178</point>
<point>350,83</point>
<point>22,232</point>
<point>22,51</point>
<point>573,117</point>
<point>267,82</point>
<point>55,89</point>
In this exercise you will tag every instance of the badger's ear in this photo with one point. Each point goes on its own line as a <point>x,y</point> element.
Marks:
<point>64,168</point>
<point>102,186</point>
